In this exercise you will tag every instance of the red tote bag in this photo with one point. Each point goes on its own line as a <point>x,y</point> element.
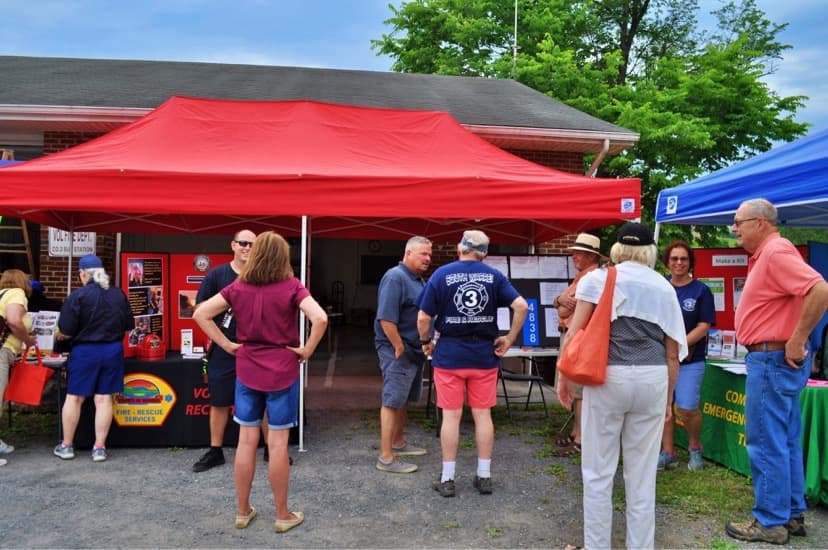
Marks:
<point>27,381</point>
<point>584,358</point>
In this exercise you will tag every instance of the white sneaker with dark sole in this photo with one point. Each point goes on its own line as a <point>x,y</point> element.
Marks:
<point>64,452</point>
<point>396,466</point>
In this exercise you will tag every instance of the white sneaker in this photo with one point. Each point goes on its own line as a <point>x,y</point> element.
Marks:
<point>3,461</point>
<point>5,448</point>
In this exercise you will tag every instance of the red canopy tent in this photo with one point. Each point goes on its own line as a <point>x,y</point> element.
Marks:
<point>208,166</point>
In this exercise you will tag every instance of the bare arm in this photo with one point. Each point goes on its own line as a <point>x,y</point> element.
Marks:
<point>671,351</point>
<point>519,310</point>
<point>14,319</point>
<point>319,322</point>
<point>697,333</point>
<point>813,308</point>
<point>393,334</point>
<point>203,316</point>
<point>424,328</point>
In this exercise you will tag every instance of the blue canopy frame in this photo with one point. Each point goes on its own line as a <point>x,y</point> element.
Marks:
<point>794,177</point>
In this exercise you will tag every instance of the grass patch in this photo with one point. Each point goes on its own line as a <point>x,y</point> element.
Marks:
<point>719,544</point>
<point>28,425</point>
<point>557,470</point>
<point>716,491</point>
<point>452,525</point>
<point>494,532</point>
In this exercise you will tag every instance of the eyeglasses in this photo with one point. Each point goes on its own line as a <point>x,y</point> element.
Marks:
<point>738,223</point>
<point>244,244</point>
<point>679,259</point>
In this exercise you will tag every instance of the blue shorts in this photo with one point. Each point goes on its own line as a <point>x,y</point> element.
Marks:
<point>221,378</point>
<point>688,385</point>
<point>402,379</point>
<point>282,407</point>
<point>95,368</point>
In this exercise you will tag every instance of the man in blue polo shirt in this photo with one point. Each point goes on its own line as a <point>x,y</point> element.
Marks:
<point>400,355</point>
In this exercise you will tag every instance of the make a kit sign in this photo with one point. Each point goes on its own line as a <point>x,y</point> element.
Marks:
<point>83,243</point>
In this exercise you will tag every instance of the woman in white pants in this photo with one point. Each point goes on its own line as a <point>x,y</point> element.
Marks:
<point>628,411</point>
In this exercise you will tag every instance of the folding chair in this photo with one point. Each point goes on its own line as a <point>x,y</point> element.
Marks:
<point>533,377</point>
<point>429,368</point>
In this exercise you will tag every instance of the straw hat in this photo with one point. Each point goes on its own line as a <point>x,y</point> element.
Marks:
<point>587,243</point>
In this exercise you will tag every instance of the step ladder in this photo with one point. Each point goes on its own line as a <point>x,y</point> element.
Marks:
<point>8,243</point>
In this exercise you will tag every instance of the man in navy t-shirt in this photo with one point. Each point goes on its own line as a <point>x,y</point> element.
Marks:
<point>221,366</point>
<point>462,298</point>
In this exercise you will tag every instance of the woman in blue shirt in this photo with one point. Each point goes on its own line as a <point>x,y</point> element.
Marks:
<point>697,308</point>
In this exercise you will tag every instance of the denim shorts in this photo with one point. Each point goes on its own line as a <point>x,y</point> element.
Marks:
<point>402,379</point>
<point>282,407</point>
<point>688,385</point>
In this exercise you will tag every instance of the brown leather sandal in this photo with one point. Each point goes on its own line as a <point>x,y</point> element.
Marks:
<point>565,441</point>
<point>572,450</point>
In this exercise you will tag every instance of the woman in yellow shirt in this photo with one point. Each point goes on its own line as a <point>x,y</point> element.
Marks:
<point>14,301</point>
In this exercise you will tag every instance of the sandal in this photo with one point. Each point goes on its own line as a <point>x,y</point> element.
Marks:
<point>572,450</point>
<point>565,441</point>
<point>285,525</point>
<point>242,521</point>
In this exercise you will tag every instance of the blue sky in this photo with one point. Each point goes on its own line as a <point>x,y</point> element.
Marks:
<point>316,33</point>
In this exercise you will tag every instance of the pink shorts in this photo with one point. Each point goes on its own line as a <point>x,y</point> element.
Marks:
<point>454,384</point>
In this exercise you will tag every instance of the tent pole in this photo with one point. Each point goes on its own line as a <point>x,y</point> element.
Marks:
<point>118,259</point>
<point>656,232</point>
<point>69,262</point>
<point>303,368</point>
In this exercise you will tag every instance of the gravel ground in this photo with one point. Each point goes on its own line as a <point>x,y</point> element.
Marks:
<point>146,498</point>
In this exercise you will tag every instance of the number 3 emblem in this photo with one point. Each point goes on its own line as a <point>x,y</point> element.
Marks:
<point>471,298</point>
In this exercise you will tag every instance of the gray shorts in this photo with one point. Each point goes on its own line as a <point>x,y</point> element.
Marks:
<point>402,379</point>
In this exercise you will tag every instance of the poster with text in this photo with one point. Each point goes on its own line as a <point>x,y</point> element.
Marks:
<point>144,281</point>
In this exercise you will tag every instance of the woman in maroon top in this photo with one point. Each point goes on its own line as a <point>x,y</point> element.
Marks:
<point>266,301</point>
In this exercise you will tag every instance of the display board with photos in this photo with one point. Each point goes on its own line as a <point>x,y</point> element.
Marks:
<point>144,281</point>
<point>538,278</point>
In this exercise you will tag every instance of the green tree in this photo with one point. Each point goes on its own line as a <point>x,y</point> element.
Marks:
<point>696,97</point>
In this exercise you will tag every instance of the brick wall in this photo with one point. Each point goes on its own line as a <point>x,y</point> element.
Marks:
<point>58,141</point>
<point>559,160</point>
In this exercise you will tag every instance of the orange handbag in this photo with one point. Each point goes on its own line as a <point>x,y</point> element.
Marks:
<point>584,358</point>
<point>27,381</point>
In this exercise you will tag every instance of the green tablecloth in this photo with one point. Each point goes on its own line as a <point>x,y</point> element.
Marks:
<point>723,428</point>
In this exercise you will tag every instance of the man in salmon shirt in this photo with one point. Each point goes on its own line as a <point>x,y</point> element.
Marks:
<point>782,301</point>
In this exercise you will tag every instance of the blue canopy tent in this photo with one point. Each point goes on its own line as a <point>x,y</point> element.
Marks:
<point>794,177</point>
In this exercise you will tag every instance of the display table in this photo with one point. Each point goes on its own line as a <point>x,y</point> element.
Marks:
<point>722,405</point>
<point>164,403</point>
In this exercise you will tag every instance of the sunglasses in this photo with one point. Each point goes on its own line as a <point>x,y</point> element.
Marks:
<point>244,244</point>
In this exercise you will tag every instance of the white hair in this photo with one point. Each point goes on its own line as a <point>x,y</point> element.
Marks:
<point>646,254</point>
<point>98,276</point>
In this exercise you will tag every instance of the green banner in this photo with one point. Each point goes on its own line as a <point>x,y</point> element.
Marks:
<point>723,419</point>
